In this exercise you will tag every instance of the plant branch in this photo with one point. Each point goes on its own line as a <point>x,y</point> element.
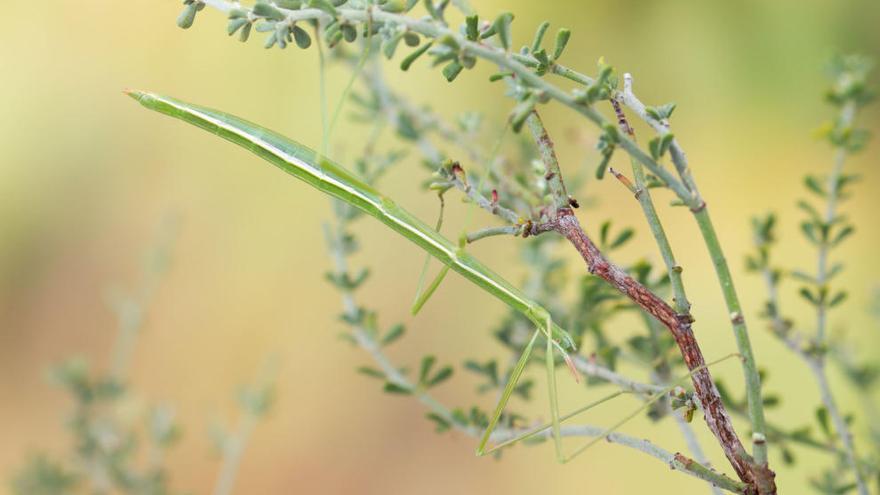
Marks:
<point>552,172</point>
<point>513,230</point>
<point>693,444</point>
<point>363,337</point>
<point>814,354</point>
<point>847,116</point>
<point>590,368</point>
<point>758,474</point>
<point>565,223</point>
<point>502,58</point>
<point>731,298</point>
<point>643,195</point>
<point>715,414</point>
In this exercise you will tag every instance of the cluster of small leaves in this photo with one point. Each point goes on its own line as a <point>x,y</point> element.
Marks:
<point>602,87</point>
<point>488,371</point>
<point>659,145</point>
<point>276,18</point>
<point>527,97</point>
<point>832,482</point>
<point>786,437</point>
<point>255,401</point>
<point>273,18</point>
<point>105,446</point>
<point>106,437</point>
<point>825,233</point>
<point>427,378</point>
<point>44,476</point>
<point>849,92</point>
<point>764,238</point>
<point>474,418</point>
<point>850,75</point>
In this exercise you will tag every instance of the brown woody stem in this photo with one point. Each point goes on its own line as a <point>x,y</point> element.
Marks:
<point>679,325</point>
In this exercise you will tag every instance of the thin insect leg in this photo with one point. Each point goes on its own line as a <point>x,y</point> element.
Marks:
<point>546,426</point>
<point>644,406</point>
<point>422,296</point>
<point>508,391</point>
<point>550,360</point>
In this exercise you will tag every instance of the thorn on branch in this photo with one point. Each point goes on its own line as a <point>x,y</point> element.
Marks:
<point>625,181</point>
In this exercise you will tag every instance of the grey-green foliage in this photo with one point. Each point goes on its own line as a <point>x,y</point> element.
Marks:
<point>106,444</point>
<point>110,450</point>
<point>522,189</point>
<point>824,228</point>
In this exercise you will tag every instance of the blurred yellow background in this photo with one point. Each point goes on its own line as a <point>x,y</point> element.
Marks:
<point>86,176</point>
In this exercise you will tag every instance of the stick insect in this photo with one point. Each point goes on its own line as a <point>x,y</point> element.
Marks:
<point>334,180</point>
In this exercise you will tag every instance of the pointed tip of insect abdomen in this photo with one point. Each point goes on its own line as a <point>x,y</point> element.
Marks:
<point>137,94</point>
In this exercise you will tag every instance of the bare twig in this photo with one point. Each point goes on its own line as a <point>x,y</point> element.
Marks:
<point>717,418</point>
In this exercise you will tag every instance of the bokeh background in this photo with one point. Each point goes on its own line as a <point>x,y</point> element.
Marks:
<point>86,178</point>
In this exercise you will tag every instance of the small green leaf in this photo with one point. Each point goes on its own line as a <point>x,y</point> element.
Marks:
<point>325,6</point>
<point>771,401</point>
<point>541,57</point>
<point>393,334</point>
<point>823,420</point>
<point>187,16</point>
<point>811,232</point>
<point>837,299</point>
<point>444,374</point>
<point>539,36</point>
<point>654,147</point>
<point>666,142</point>
<point>809,209</point>
<point>389,45</point>
<point>521,112</point>
<point>621,238</point>
<point>662,112</point>
<point>502,28</point>
<point>245,32</point>
<point>441,423</point>
<point>301,37</point>
<point>813,185</point>
<point>234,25</point>
<point>425,369</point>
<point>371,372</point>
<point>809,296</point>
<point>603,166</point>
<point>411,39</point>
<point>349,33</point>
<point>472,28</point>
<point>562,38</point>
<point>238,14</point>
<point>843,234</point>
<point>394,6</point>
<point>268,11</point>
<point>452,70</point>
<point>412,57</point>
<point>603,232</point>
<point>499,76</point>
<point>394,388</point>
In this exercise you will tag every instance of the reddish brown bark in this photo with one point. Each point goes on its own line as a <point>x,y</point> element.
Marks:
<point>679,325</point>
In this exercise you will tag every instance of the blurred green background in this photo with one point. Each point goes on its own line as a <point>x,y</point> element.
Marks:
<point>86,176</point>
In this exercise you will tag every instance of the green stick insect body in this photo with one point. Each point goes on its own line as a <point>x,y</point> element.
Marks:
<point>329,177</point>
